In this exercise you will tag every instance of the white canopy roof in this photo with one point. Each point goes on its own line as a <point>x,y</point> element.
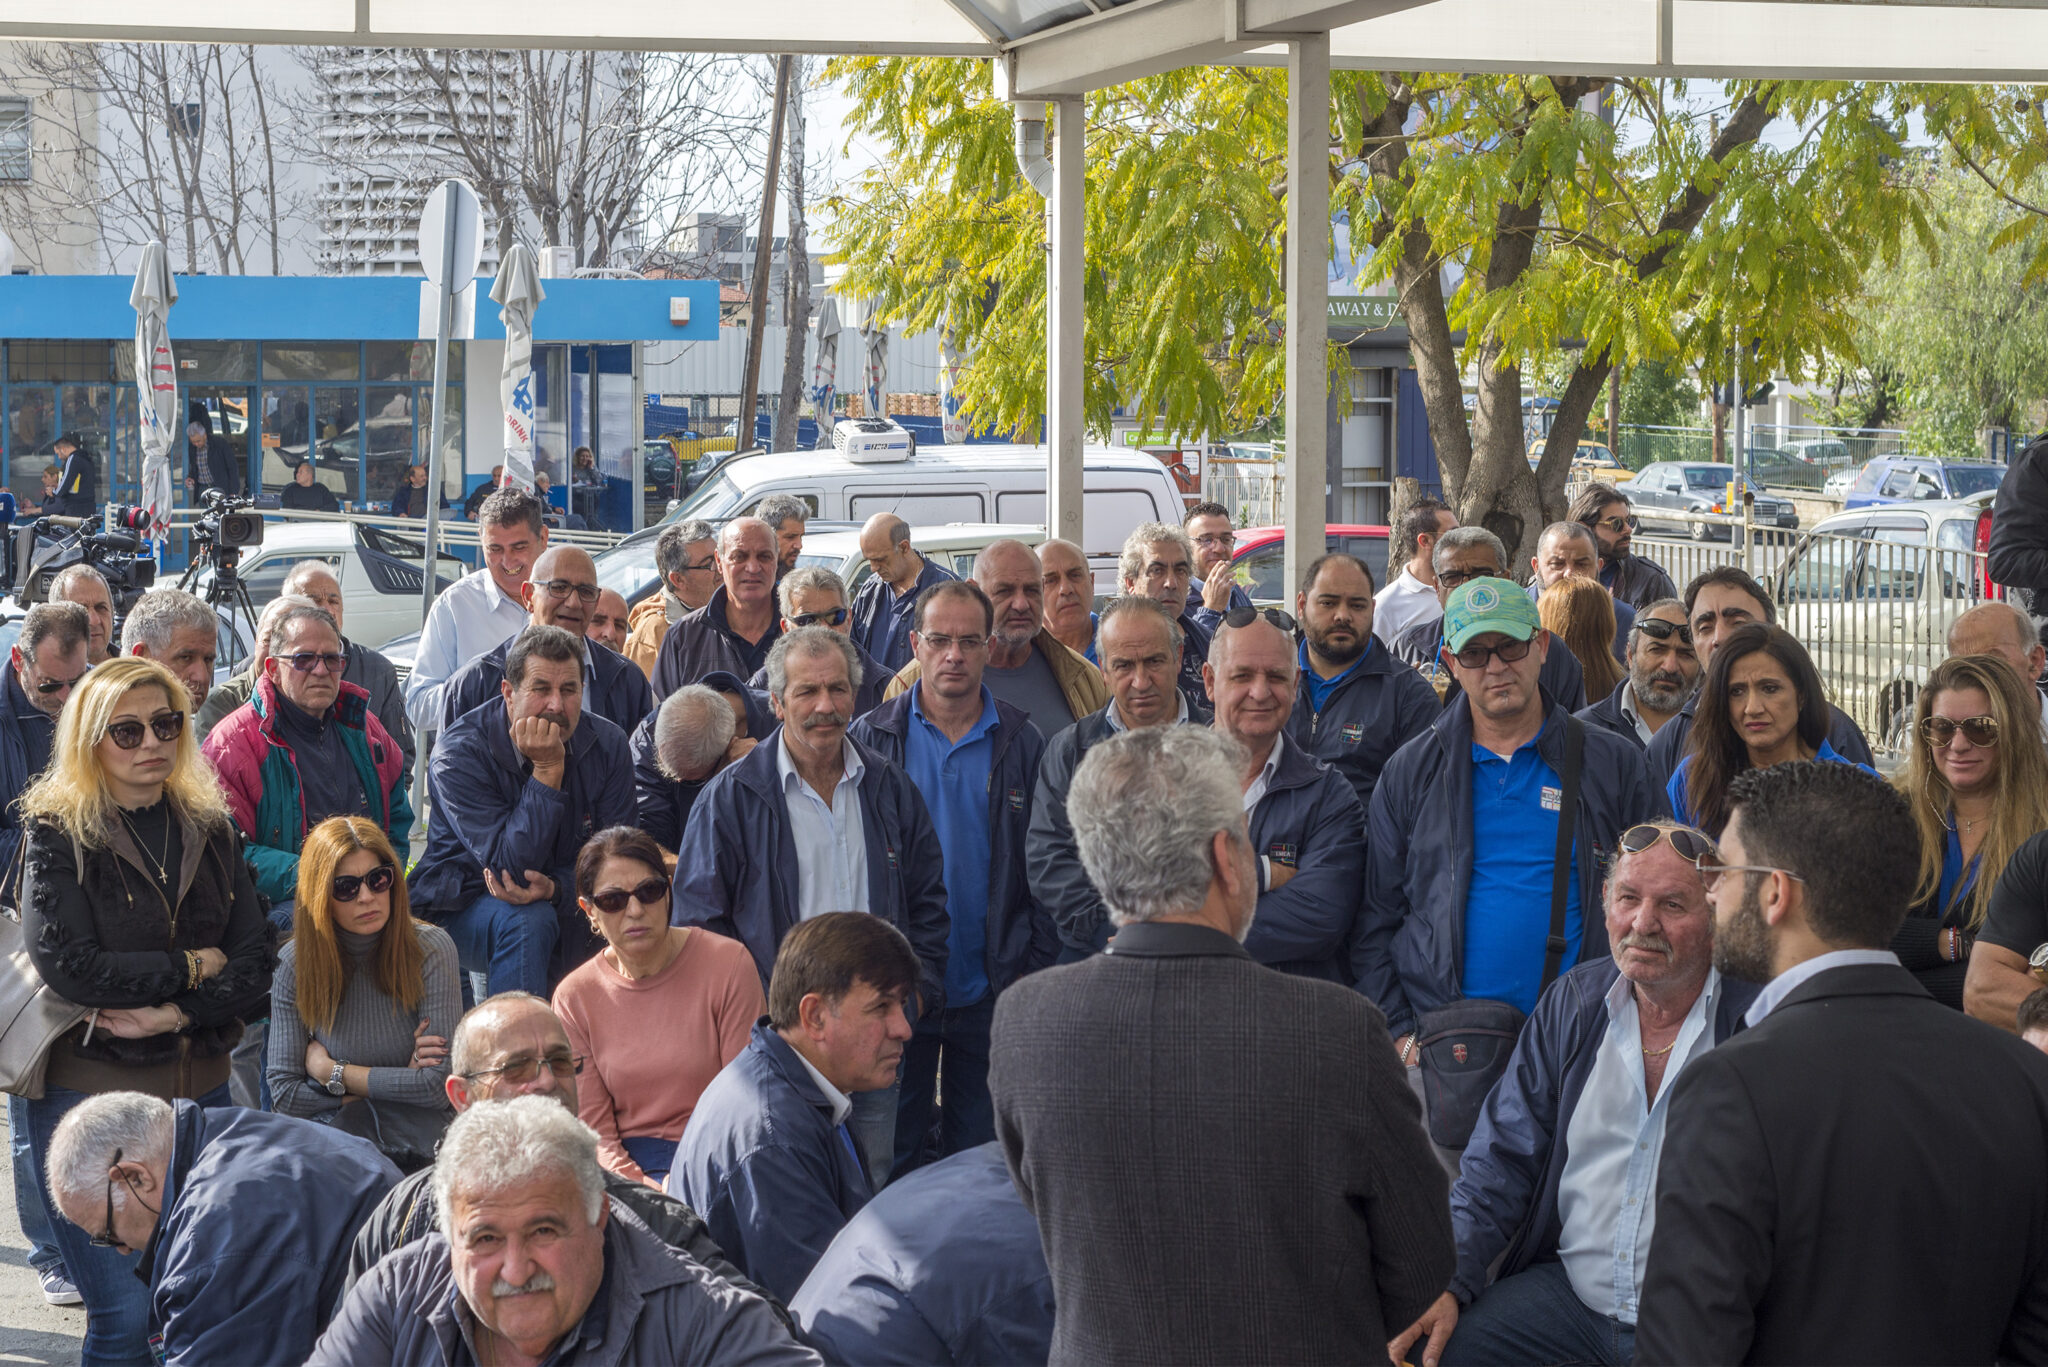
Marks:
<point>1066,46</point>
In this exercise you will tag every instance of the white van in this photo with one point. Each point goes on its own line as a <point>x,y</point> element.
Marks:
<point>937,485</point>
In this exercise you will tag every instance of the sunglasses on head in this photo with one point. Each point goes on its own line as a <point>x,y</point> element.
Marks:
<point>1657,629</point>
<point>819,619</point>
<point>649,893</point>
<point>1238,618</point>
<point>379,879</point>
<point>1690,845</point>
<point>1940,732</point>
<point>164,726</point>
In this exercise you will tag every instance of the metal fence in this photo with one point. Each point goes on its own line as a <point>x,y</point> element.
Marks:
<point>1252,487</point>
<point>1830,448</point>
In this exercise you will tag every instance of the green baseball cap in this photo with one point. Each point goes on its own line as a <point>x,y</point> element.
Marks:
<point>1479,606</point>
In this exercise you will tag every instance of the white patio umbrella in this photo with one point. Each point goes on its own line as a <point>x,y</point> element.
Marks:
<point>825,369</point>
<point>952,423</point>
<point>517,292</point>
<point>156,379</point>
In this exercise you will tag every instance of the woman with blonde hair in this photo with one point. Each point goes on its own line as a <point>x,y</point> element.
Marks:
<point>365,998</point>
<point>1578,612</point>
<point>137,904</point>
<point>1977,780</point>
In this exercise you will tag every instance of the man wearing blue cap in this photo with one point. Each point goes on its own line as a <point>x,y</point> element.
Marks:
<point>1486,841</point>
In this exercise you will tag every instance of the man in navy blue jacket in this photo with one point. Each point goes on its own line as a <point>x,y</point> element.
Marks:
<point>560,592</point>
<point>943,1267</point>
<point>1570,1222</point>
<point>767,1158</point>
<point>1306,823</point>
<point>881,610</point>
<point>697,731</point>
<point>1158,562</point>
<point>242,1220</point>
<point>517,785</point>
<point>974,759</point>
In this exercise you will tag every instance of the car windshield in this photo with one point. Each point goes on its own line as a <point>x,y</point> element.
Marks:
<point>1965,480</point>
<point>1708,476</point>
<point>628,569</point>
<point>715,500</point>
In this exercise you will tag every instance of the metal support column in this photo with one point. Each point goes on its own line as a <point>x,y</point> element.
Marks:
<point>1063,323</point>
<point>1308,330</point>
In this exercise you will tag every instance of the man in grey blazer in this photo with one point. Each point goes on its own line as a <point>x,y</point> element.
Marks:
<point>1225,1161</point>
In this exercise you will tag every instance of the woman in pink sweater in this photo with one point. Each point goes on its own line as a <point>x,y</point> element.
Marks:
<point>654,1015</point>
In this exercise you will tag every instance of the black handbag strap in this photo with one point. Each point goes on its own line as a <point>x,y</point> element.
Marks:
<point>1563,871</point>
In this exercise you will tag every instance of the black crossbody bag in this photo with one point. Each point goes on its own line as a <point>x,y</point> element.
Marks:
<point>1463,1047</point>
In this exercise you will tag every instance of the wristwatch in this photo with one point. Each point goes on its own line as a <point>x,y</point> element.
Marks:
<point>2037,963</point>
<point>334,1085</point>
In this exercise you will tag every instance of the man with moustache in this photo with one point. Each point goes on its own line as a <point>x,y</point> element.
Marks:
<point>1068,586</point>
<point>1663,671</point>
<point>736,629</point>
<point>1560,1175</point>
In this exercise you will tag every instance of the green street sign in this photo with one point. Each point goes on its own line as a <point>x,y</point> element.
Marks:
<point>1364,310</point>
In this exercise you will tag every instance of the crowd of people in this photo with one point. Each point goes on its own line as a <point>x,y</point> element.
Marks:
<point>967,970</point>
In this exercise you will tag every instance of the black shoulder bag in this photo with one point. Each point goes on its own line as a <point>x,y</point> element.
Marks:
<point>1463,1047</point>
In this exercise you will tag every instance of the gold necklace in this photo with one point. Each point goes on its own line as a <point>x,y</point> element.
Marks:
<point>1660,1053</point>
<point>162,874</point>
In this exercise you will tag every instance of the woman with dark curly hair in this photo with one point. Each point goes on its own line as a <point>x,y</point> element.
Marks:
<point>136,902</point>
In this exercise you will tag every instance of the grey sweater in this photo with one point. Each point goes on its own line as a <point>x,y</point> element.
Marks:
<point>370,1030</point>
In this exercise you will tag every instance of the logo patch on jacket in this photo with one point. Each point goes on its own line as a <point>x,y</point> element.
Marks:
<point>1459,1053</point>
<point>1353,732</point>
<point>1016,799</point>
<point>1281,854</point>
<point>890,851</point>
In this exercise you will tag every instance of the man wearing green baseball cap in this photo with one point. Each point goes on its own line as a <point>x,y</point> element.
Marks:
<point>1465,918</point>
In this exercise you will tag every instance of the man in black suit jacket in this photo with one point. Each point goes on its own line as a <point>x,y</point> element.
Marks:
<point>1225,1162</point>
<point>1858,1176</point>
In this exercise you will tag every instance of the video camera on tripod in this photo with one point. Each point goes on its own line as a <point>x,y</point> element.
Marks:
<point>50,545</point>
<point>227,525</point>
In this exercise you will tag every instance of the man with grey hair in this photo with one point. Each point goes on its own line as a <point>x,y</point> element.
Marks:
<point>2002,629</point>
<point>1663,672</point>
<point>1158,562</point>
<point>814,822</point>
<point>785,515</point>
<point>367,669</point>
<point>180,632</point>
<point>1461,554</point>
<point>1300,1171</point>
<point>696,731</point>
<point>816,597</point>
<point>87,587</point>
<point>686,557</point>
<point>239,688</point>
<point>881,611</point>
<point>240,1220</point>
<point>737,628</point>
<point>536,1265</point>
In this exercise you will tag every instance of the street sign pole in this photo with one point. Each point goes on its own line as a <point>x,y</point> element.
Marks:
<point>451,244</point>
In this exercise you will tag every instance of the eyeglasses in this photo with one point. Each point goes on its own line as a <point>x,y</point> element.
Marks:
<point>1450,579</point>
<point>305,660</point>
<point>1237,618</point>
<point>49,686</point>
<point>968,644</point>
<point>521,1071</point>
<point>1618,525</point>
<point>1940,732</point>
<point>814,619</point>
<point>164,726</point>
<point>1689,844</point>
<point>560,589</point>
<point>653,892</point>
<point>1217,539</point>
<point>1478,657</point>
<point>1710,874</point>
<point>1657,629</point>
<point>709,562</point>
<point>379,879</point>
<point>107,1239</point>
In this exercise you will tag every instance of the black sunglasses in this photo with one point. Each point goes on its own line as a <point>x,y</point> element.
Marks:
<point>1692,845</point>
<point>1476,657</point>
<point>379,879</point>
<point>1450,579</point>
<point>305,660</point>
<point>1238,618</point>
<point>812,619</point>
<point>49,686</point>
<point>1657,629</point>
<point>164,725</point>
<point>653,891</point>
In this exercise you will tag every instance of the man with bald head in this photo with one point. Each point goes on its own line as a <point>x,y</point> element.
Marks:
<point>1306,822</point>
<point>1068,586</point>
<point>2001,629</point>
<point>561,592</point>
<point>736,629</point>
<point>1027,666</point>
<point>882,608</point>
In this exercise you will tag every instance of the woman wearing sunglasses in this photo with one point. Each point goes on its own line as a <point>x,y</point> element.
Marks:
<point>136,902</point>
<point>365,997</point>
<point>1977,779</point>
<point>656,1014</point>
<point>1762,704</point>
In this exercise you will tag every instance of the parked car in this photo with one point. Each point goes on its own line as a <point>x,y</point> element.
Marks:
<point>1662,494</point>
<point>1772,468</point>
<point>1261,551</point>
<point>1914,479</point>
<point>1590,460</point>
<point>1842,481</point>
<point>1871,593</point>
<point>379,573</point>
<point>1831,452</point>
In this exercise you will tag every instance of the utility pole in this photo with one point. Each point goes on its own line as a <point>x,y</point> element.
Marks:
<point>764,255</point>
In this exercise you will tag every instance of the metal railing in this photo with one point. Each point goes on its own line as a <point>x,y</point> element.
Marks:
<point>454,533</point>
<point>1252,488</point>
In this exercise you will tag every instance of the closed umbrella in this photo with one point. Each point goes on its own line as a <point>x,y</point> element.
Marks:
<point>517,292</point>
<point>156,377</point>
<point>874,336</point>
<point>952,422</point>
<point>825,370</point>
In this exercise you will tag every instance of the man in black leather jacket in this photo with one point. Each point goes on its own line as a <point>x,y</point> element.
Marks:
<point>2019,526</point>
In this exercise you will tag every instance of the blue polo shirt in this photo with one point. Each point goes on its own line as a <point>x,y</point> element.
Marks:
<point>1320,688</point>
<point>1515,807</point>
<point>953,780</point>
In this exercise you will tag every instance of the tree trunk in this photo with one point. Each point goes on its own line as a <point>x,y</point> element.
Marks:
<point>797,275</point>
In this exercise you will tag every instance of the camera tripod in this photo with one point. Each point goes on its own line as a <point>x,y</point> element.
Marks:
<point>226,593</point>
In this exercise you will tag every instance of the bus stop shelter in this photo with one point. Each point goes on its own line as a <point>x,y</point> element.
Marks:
<point>1055,51</point>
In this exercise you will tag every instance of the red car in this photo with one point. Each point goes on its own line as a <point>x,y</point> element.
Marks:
<point>1262,549</point>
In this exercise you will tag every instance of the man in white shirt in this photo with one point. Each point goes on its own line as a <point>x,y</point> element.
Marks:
<point>481,610</point>
<point>1412,596</point>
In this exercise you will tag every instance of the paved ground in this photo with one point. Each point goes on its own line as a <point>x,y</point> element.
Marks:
<point>30,1331</point>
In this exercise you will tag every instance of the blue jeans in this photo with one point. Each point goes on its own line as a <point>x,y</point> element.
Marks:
<point>116,1300</point>
<point>511,946</point>
<point>29,1207</point>
<point>953,1046</point>
<point>1536,1317</point>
